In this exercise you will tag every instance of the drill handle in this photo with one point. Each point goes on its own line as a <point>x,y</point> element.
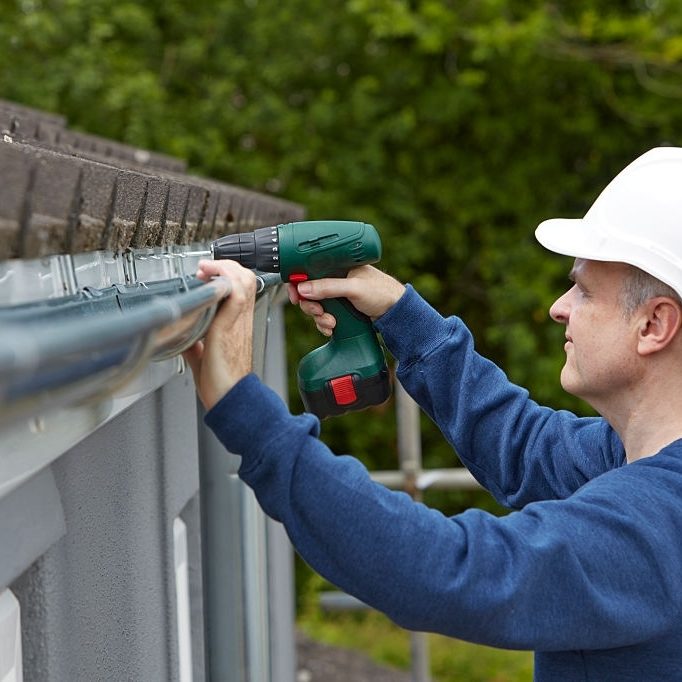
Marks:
<point>350,321</point>
<point>347,373</point>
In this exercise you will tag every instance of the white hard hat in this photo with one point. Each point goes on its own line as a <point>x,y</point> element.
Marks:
<point>637,219</point>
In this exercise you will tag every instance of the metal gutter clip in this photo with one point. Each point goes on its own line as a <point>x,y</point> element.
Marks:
<point>74,348</point>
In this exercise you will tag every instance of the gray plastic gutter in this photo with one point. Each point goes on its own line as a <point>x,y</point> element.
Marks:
<point>62,351</point>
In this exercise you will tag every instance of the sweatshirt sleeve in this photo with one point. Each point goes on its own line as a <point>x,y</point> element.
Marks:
<point>557,575</point>
<point>519,451</point>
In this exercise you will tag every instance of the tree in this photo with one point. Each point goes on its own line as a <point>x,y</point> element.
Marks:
<point>453,127</point>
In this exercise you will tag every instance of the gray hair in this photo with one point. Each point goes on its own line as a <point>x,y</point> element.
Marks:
<point>639,287</point>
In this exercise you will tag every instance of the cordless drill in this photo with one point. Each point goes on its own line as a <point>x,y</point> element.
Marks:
<point>349,372</point>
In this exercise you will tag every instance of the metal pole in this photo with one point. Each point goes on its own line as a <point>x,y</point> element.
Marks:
<point>410,456</point>
<point>431,479</point>
<point>280,552</point>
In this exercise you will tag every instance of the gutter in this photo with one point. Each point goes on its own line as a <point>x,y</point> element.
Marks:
<point>64,351</point>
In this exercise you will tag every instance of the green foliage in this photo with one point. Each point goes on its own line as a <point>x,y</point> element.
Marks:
<point>453,127</point>
<point>389,645</point>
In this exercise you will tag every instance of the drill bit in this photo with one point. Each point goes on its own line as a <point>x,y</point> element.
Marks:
<point>188,254</point>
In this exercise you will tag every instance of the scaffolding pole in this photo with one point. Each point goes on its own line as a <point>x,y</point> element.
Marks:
<point>410,456</point>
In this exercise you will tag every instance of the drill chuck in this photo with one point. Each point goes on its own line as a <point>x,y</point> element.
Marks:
<point>257,250</point>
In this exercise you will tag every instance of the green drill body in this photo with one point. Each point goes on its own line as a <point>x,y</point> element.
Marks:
<point>349,372</point>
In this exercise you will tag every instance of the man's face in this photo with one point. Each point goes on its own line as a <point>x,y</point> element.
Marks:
<point>601,358</point>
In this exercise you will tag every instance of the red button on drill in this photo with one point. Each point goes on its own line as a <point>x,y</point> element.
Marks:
<point>296,278</point>
<point>343,390</point>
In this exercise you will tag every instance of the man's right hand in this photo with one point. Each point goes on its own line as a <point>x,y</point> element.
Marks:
<point>371,291</point>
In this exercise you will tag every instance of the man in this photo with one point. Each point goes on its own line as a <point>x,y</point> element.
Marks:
<point>588,572</point>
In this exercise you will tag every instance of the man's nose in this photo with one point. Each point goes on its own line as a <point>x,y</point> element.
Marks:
<point>560,309</point>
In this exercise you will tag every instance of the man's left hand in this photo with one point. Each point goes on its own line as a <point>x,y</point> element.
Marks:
<point>226,353</point>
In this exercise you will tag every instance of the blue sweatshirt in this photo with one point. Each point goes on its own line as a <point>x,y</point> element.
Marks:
<point>588,572</point>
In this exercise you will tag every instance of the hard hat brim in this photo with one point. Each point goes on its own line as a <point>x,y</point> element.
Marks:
<point>583,238</point>
<point>578,238</point>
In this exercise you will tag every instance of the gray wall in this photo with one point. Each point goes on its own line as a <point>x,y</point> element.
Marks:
<point>99,604</point>
<point>88,549</point>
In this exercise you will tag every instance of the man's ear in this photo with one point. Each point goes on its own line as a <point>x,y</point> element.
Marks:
<point>659,324</point>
